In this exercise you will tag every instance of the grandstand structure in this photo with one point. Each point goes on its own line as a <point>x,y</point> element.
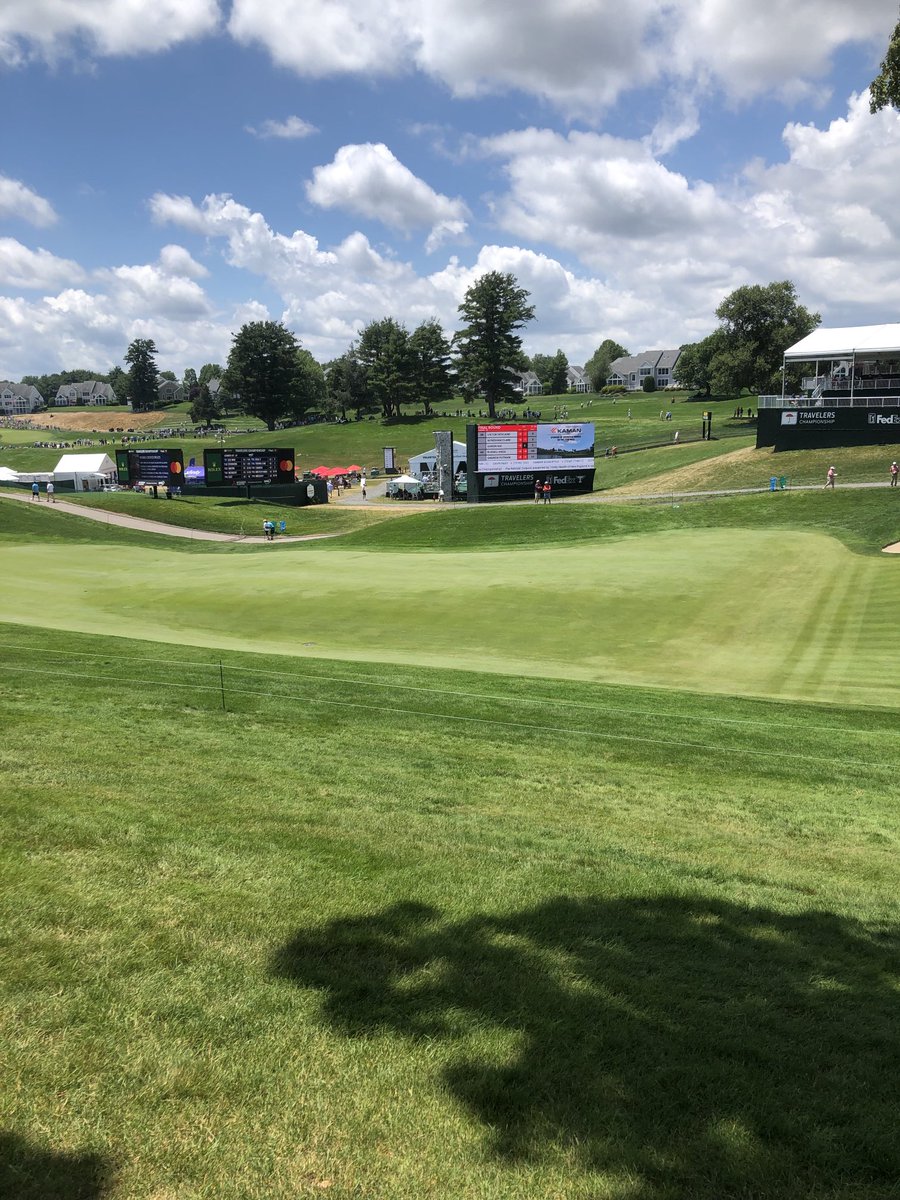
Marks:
<point>849,393</point>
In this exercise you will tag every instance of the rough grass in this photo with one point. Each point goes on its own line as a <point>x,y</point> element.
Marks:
<point>394,933</point>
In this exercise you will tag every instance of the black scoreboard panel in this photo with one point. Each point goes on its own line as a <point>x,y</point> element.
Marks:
<point>150,466</point>
<point>241,466</point>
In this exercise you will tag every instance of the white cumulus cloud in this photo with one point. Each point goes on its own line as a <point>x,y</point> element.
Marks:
<point>21,267</point>
<point>19,201</point>
<point>52,28</point>
<point>369,181</point>
<point>579,54</point>
<point>290,129</point>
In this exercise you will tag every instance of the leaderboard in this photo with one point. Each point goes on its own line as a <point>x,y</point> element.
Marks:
<point>506,447</point>
<point>243,466</point>
<point>150,466</point>
<point>524,447</point>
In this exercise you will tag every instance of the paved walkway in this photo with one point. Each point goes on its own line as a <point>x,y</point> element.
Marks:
<point>106,517</point>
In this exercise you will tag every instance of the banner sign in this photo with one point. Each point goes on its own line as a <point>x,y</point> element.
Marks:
<point>807,428</point>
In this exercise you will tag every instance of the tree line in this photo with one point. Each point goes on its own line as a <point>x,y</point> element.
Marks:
<point>271,376</point>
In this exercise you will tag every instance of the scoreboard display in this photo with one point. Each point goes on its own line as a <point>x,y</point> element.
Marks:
<point>150,466</point>
<point>563,446</point>
<point>240,466</point>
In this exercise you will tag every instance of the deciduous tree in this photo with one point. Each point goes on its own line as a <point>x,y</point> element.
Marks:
<point>384,352</point>
<point>264,374</point>
<point>884,90</point>
<point>488,347</point>
<point>597,366</point>
<point>429,353</point>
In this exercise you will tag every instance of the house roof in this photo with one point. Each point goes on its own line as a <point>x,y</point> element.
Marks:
<point>848,340</point>
<point>632,363</point>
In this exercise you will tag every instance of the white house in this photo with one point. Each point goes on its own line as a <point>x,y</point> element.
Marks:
<point>528,383</point>
<point>88,472</point>
<point>90,391</point>
<point>631,370</point>
<point>577,380</point>
<point>19,399</point>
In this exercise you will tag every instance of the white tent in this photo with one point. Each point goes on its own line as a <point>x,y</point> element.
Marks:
<point>864,341</point>
<point>7,475</point>
<point>88,472</point>
<point>426,463</point>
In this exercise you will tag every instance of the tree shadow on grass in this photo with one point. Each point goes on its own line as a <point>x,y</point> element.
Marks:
<point>28,1172</point>
<point>703,1048</point>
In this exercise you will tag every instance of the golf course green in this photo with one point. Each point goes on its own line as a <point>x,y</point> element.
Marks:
<point>788,615</point>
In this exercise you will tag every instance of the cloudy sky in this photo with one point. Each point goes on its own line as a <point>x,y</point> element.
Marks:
<point>173,168</point>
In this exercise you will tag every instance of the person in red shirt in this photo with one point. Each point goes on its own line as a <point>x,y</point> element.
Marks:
<point>538,491</point>
<point>546,491</point>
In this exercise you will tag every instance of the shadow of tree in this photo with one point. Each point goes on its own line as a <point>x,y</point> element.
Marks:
<point>28,1172</point>
<point>709,1049</point>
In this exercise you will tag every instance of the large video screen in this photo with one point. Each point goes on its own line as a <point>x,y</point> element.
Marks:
<point>150,466</point>
<point>559,447</point>
<point>237,466</point>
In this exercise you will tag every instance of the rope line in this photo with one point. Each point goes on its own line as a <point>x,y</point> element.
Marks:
<point>490,721</point>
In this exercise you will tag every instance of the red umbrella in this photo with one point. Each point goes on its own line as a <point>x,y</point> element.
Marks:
<point>354,467</point>
<point>320,471</point>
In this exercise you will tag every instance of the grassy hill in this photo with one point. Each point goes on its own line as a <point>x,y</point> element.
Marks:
<point>407,934</point>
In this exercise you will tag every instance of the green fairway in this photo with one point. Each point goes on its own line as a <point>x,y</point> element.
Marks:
<point>407,934</point>
<point>767,612</point>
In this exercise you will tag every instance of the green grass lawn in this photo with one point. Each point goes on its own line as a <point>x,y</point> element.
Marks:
<point>382,931</point>
<point>742,465</point>
<point>673,597</point>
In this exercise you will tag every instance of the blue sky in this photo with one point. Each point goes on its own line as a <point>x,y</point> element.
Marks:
<point>170,169</point>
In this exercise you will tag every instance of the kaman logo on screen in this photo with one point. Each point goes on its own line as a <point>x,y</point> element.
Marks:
<point>566,430</point>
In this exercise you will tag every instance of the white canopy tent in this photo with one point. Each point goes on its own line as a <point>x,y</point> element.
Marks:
<point>868,341</point>
<point>88,472</point>
<point>427,464</point>
<point>850,347</point>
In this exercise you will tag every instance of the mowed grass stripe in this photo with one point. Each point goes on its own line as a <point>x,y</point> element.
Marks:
<point>703,609</point>
<point>609,725</point>
<point>663,710</point>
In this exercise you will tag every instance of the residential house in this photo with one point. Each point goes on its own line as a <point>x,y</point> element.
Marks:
<point>633,369</point>
<point>528,383</point>
<point>170,391</point>
<point>90,391</point>
<point>19,399</point>
<point>577,380</point>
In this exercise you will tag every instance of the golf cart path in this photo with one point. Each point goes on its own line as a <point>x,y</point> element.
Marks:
<point>106,517</point>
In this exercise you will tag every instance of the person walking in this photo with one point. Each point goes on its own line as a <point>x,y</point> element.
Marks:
<point>545,491</point>
<point>895,470</point>
<point>362,486</point>
<point>829,478</point>
<point>538,491</point>
<point>35,491</point>
<point>329,487</point>
<point>51,498</point>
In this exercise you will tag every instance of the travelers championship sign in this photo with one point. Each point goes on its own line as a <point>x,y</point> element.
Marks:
<point>807,428</point>
<point>505,461</point>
